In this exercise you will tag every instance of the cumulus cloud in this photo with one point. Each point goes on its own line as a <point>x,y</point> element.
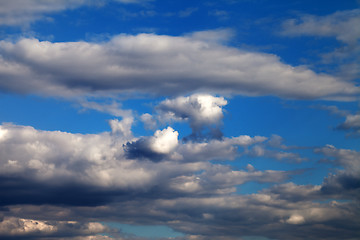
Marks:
<point>93,169</point>
<point>74,176</point>
<point>200,110</point>
<point>156,64</point>
<point>154,148</point>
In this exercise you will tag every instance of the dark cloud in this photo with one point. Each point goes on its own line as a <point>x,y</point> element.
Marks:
<point>141,149</point>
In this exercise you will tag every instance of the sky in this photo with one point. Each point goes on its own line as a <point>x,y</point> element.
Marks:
<point>182,120</point>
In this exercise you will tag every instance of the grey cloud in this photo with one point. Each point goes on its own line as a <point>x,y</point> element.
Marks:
<point>156,64</point>
<point>19,228</point>
<point>23,12</point>
<point>352,123</point>
<point>186,191</point>
<point>341,24</point>
<point>225,216</point>
<point>19,12</point>
<point>344,183</point>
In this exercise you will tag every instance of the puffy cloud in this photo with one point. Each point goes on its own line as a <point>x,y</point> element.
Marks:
<point>156,64</point>
<point>198,109</point>
<point>154,148</point>
<point>93,169</point>
<point>76,176</point>
<point>164,141</point>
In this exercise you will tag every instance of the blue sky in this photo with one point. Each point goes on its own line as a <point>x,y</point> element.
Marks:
<point>186,120</point>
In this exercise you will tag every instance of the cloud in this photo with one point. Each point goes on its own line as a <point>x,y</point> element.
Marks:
<point>154,148</point>
<point>94,169</point>
<point>346,182</point>
<point>187,12</point>
<point>295,219</point>
<point>352,122</point>
<point>341,24</point>
<point>20,12</point>
<point>17,228</point>
<point>156,64</point>
<point>200,110</point>
<point>71,182</point>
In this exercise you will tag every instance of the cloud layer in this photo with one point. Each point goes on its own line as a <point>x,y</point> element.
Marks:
<point>162,180</point>
<point>156,64</point>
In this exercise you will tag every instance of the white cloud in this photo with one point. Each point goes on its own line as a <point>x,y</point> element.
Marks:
<point>156,64</point>
<point>199,109</point>
<point>165,141</point>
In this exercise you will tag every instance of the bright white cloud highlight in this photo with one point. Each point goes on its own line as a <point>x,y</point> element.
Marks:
<point>164,141</point>
<point>295,219</point>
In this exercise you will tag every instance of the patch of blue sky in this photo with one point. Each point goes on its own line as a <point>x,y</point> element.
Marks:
<point>300,123</point>
<point>51,114</point>
<point>256,238</point>
<point>150,232</point>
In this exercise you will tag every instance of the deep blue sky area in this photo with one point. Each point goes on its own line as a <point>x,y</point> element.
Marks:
<point>185,120</point>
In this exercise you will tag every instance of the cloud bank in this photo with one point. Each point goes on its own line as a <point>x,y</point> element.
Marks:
<point>157,64</point>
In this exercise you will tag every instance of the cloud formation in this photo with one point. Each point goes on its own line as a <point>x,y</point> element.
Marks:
<point>157,64</point>
<point>93,172</point>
